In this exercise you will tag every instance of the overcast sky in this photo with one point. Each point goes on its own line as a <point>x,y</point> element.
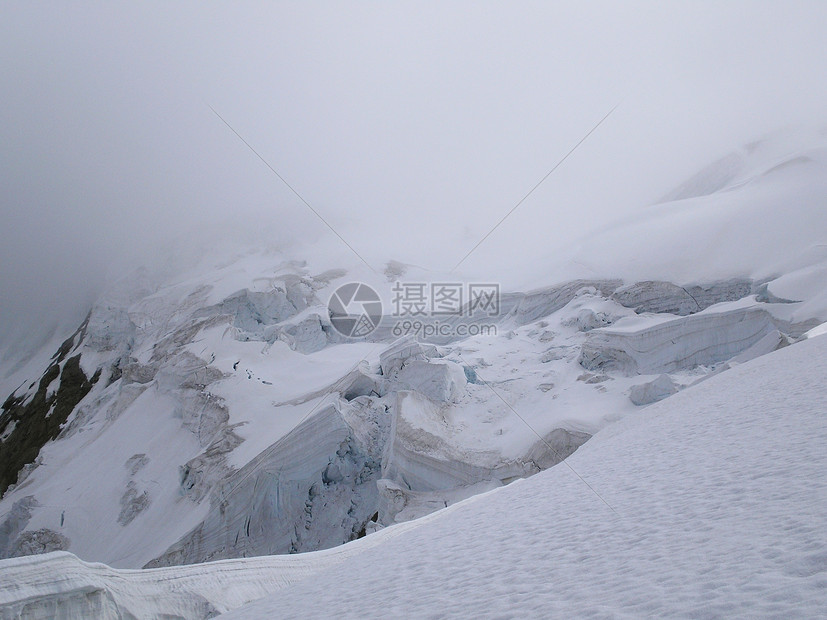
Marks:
<point>412,127</point>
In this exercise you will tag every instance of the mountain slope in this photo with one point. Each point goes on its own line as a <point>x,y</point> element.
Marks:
<point>717,509</point>
<point>216,412</point>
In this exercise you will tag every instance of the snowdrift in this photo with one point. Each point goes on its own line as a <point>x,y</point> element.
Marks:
<point>710,503</point>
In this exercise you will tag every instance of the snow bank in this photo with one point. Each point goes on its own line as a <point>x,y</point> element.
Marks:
<point>718,510</point>
<point>676,344</point>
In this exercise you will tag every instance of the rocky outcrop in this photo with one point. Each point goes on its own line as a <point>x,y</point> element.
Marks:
<point>39,541</point>
<point>28,421</point>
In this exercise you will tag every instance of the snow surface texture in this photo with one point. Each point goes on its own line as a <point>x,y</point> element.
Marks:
<point>761,219</point>
<point>220,416</point>
<point>717,510</point>
<point>719,503</point>
<point>283,447</point>
<point>705,338</point>
<point>200,405</point>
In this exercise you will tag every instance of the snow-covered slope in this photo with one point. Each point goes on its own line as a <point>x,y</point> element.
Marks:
<point>719,509</point>
<point>708,504</point>
<point>216,413</point>
<point>758,213</point>
<point>192,424</point>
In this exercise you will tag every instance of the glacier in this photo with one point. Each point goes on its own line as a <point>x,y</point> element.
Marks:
<point>743,447</point>
<point>206,437</point>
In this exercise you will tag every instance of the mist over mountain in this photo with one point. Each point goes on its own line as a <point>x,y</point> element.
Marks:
<point>411,128</point>
<point>419,309</point>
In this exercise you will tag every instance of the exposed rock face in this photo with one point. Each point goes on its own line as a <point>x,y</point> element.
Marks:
<point>132,503</point>
<point>27,424</point>
<point>43,540</point>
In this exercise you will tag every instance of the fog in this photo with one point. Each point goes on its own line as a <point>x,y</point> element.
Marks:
<point>412,128</point>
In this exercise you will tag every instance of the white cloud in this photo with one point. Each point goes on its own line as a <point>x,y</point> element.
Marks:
<point>411,127</point>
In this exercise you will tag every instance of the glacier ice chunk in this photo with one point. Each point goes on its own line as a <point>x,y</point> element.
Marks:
<point>653,391</point>
<point>681,343</point>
